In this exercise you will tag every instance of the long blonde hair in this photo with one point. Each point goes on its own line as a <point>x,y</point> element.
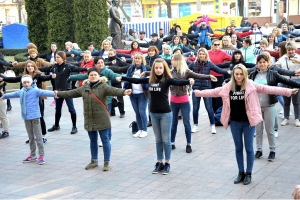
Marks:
<point>233,81</point>
<point>166,74</point>
<point>139,54</point>
<point>181,65</point>
<point>206,54</point>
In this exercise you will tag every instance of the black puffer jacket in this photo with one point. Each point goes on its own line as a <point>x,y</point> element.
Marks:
<point>204,67</point>
<point>3,63</point>
<point>150,60</point>
<point>273,78</point>
<point>62,72</point>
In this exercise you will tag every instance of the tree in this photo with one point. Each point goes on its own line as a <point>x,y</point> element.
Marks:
<point>37,23</point>
<point>91,22</point>
<point>241,7</point>
<point>60,22</point>
<point>169,10</point>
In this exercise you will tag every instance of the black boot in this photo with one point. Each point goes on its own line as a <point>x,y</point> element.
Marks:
<point>240,178</point>
<point>55,127</point>
<point>149,122</point>
<point>247,179</point>
<point>74,128</point>
<point>8,105</point>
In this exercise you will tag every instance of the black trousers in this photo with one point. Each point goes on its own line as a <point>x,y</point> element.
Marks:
<point>120,103</point>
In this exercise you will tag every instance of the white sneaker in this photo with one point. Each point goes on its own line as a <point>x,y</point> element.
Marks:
<point>297,123</point>
<point>137,134</point>
<point>285,122</point>
<point>100,144</point>
<point>143,134</point>
<point>276,134</point>
<point>213,130</point>
<point>291,114</point>
<point>281,112</point>
<point>195,128</point>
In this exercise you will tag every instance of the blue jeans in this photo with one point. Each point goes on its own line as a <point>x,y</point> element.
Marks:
<point>161,124</point>
<point>185,113</point>
<point>208,107</point>
<point>59,103</point>
<point>109,109</point>
<point>280,97</point>
<point>139,103</point>
<point>105,138</point>
<point>237,130</point>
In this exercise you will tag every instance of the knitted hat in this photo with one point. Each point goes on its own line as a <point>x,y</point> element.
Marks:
<point>30,51</point>
<point>26,78</point>
<point>31,46</point>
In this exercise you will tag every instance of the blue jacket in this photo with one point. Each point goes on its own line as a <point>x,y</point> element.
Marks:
<point>203,37</point>
<point>31,101</point>
<point>150,60</point>
<point>204,67</point>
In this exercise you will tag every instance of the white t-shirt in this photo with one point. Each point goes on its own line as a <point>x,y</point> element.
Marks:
<point>137,88</point>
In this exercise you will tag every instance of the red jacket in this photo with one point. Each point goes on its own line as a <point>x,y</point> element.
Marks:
<point>88,65</point>
<point>253,109</point>
<point>132,52</point>
<point>218,57</point>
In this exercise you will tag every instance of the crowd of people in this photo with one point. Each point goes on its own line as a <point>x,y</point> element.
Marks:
<point>257,66</point>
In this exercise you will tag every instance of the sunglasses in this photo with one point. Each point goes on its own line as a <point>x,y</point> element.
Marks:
<point>216,44</point>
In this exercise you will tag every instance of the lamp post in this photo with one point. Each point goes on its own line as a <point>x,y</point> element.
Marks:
<point>19,2</point>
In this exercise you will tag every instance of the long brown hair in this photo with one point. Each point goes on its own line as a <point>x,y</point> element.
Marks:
<point>36,69</point>
<point>166,74</point>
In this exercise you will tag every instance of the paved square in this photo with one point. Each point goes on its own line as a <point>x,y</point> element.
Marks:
<point>207,172</point>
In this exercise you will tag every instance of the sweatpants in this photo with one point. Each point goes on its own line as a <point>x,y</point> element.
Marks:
<point>34,130</point>
<point>268,115</point>
<point>3,116</point>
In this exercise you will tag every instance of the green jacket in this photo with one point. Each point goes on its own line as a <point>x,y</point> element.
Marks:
<point>108,73</point>
<point>96,116</point>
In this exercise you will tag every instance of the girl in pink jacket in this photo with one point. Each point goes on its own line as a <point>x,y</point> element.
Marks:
<point>241,106</point>
<point>206,19</point>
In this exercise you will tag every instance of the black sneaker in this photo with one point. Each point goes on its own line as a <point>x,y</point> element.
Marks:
<point>188,148</point>
<point>4,134</point>
<point>27,141</point>
<point>122,115</point>
<point>149,124</point>
<point>271,157</point>
<point>158,167</point>
<point>44,140</point>
<point>166,169</point>
<point>258,154</point>
<point>74,130</point>
<point>54,128</point>
<point>173,146</point>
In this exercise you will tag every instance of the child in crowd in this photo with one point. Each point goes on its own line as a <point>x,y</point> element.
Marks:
<point>29,100</point>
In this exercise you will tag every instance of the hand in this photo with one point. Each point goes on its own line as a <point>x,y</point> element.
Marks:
<point>72,55</point>
<point>193,32</point>
<point>229,72</point>
<point>14,63</point>
<point>295,90</point>
<point>119,79</point>
<point>132,56</point>
<point>81,54</point>
<point>208,33</point>
<point>297,72</point>
<point>123,41</point>
<point>198,45</point>
<point>123,59</point>
<point>213,78</point>
<point>55,94</point>
<point>1,79</point>
<point>192,81</point>
<point>223,83</point>
<point>199,34</point>
<point>114,62</point>
<point>192,54</point>
<point>142,75</point>
<point>127,92</point>
<point>296,192</point>
<point>294,60</point>
<point>53,76</point>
